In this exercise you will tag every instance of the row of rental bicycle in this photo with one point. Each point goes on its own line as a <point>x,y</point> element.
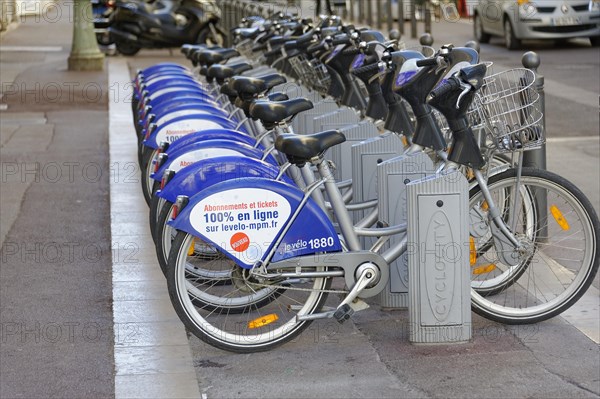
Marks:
<point>254,217</point>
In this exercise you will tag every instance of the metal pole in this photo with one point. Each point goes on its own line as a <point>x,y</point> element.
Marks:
<point>351,14</point>
<point>428,16</point>
<point>537,158</point>
<point>8,13</point>
<point>401,16</point>
<point>85,55</point>
<point>369,13</point>
<point>239,6</point>
<point>390,18</point>
<point>379,16</point>
<point>413,20</point>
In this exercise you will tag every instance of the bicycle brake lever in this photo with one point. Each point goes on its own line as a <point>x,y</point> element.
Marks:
<point>380,74</point>
<point>465,89</point>
<point>442,64</point>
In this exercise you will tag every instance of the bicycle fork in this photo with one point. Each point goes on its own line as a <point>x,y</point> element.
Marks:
<point>507,245</point>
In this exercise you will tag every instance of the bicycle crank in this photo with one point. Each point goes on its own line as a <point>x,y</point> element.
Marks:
<point>367,276</point>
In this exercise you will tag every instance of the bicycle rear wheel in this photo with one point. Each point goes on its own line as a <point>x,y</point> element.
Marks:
<point>247,315</point>
<point>560,254</point>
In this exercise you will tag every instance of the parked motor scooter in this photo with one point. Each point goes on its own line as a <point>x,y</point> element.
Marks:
<point>102,11</point>
<point>163,24</point>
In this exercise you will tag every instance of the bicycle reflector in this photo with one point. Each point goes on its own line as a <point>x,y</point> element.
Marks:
<point>404,141</point>
<point>191,248</point>
<point>484,269</point>
<point>485,206</point>
<point>559,217</point>
<point>180,203</point>
<point>472,251</point>
<point>262,321</point>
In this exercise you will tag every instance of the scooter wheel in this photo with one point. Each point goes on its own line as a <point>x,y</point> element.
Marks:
<point>128,48</point>
<point>207,37</point>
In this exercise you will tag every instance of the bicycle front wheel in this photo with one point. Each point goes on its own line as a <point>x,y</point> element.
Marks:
<point>247,315</point>
<point>558,230</point>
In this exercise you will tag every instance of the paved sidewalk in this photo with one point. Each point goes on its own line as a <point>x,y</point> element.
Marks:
<point>56,320</point>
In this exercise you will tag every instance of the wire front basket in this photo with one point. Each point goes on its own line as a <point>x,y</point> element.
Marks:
<point>511,111</point>
<point>312,73</point>
<point>245,48</point>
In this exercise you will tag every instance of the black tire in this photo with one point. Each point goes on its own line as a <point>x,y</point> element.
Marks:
<point>595,41</point>
<point>512,42</point>
<point>222,328</point>
<point>565,260</point>
<point>128,49</point>
<point>147,155</point>
<point>561,42</point>
<point>478,31</point>
<point>208,37</point>
<point>164,214</point>
<point>103,39</point>
<point>155,203</point>
<point>162,249</point>
<point>483,246</point>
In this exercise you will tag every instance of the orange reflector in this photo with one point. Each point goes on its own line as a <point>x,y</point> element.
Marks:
<point>191,248</point>
<point>485,206</point>
<point>263,321</point>
<point>404,141</point>
<point>560,219</point>
<point>484,269</point>
<point>472,251</point>
<point>470,174</point>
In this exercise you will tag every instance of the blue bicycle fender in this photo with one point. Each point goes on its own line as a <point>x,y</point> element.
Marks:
<point>152,73</point>
<point>212,134</point>
<point>245,218</point>
<point>162,82</point>
<point>170,107</point>
<point>177,160</point>
<point>192,179</point>
<point>189,113</point>
<point>163,66</point>
<point>182,126</point>
<point>224,134</point>
<point>172,92</point>
<point>183,98</point>
<point>181,103</point>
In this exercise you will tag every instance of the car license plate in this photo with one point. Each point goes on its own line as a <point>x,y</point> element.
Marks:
<point>565,21</point>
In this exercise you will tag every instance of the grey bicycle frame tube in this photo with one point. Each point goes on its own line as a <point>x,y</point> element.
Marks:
<point>493,210</point>
<point>339,207</point>
<point>309,178</point>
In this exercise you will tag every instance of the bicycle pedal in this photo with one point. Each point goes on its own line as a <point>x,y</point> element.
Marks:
<point>343,313</point>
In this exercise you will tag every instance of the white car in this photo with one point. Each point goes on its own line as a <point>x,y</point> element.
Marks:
<point>542,19</point>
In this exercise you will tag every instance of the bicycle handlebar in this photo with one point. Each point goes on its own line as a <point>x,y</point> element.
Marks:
<point>427,62</point>
<point>445,87</point>
<point>351,51</point>
<point>341,40</point>
<point>366,69</point>
<point>313,48</point>
<point>273,52</point>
